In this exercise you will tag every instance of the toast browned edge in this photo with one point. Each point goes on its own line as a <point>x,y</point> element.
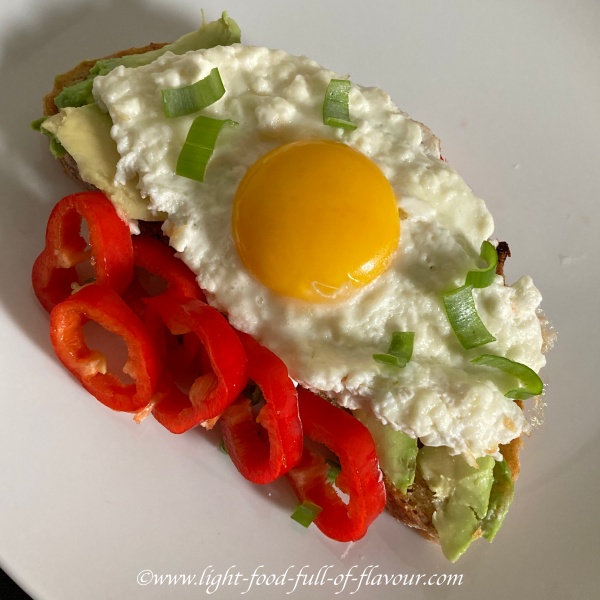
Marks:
<point>416,507</point>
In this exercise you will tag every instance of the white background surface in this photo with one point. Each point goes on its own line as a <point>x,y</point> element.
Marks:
<point>88,499</point>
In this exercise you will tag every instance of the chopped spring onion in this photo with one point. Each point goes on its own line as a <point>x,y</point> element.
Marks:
<point>480,278</point>
<point>335,106</point>
<point>192,98</point>
<point>463,317</point>
<point>333,471</point>
<point>306,513</point>
<point>529,380</point>
<point>199,146</point>
<point>400,351</point>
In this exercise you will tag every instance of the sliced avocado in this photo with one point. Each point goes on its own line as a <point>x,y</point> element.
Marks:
<point>462,495</point>
<point>84,133</point>
<point>56,147</point>
<point>501,497</point>
<point>222,32</point>
<point>456,525</point>
<point>396,450</point>
<point>78,94</point>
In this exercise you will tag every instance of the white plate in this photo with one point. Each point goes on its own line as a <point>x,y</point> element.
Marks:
<point>88,500</point>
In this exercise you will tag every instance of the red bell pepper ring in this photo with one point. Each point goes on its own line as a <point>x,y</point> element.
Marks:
<point>159,260</point>
<point>258,459</point>
<point>110,248</point>
<point>212,392</point>
<point>359,478</point>
<point>103,305</point>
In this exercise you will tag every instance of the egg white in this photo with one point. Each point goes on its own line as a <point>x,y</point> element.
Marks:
<point>277,98</point>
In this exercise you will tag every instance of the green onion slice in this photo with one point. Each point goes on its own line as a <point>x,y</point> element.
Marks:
<point>192,98</point>
<point>306,513</point>
<point>223,447</point>
<point>333,471</point>
<point>400,351</point>
<point>480,278</point>
<point>529,380</point>
<point>335,106</point>
<point>463,317</point>
<point>199,146</point>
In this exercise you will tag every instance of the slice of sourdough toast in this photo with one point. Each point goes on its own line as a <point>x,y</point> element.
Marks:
<point>417,506</point>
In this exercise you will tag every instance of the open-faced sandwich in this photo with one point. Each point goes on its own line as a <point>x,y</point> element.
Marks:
<point>354,266</point>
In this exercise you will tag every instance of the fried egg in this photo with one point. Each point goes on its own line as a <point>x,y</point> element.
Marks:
<point>321,241</point>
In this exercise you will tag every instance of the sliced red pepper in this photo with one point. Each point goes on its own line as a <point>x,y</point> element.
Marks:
<point>173,277</point>
<point>170,275</point>
<point>110,248</point>
<point>258,459</point>
<point>103,305</point>
<point>359,478</point>
<point>159,259</point>
<point>212,392</point>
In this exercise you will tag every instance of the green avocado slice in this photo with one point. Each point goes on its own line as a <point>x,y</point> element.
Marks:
<point>462,496</point>
<point>84,132</point>
<point>501,497</point>
<point>397,451</point>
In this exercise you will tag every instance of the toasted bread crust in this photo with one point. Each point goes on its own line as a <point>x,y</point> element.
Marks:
<point>416,507</point>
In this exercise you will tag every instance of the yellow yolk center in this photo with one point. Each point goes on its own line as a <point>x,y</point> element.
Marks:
<point>315,220</point>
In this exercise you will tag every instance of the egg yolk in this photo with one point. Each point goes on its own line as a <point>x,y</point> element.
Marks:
<point>315,220</point>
